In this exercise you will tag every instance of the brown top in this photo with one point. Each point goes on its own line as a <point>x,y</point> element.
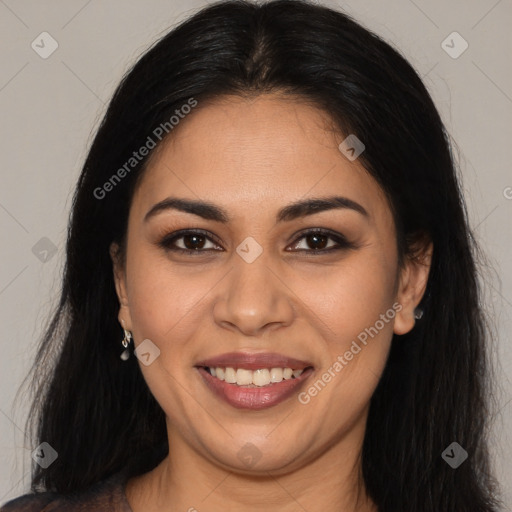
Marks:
<point>105,496</point>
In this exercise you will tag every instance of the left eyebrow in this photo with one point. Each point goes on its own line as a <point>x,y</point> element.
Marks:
<point>210,211</point>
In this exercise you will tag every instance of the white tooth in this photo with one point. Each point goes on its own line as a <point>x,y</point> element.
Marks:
<point>297,373</point>
<point>261,377</point>
<point>230,375</point>
<point>287,373</point>
<point>243,377</point>
<point>219,373</point>
<point>276,375</point>
<point>213,372</point>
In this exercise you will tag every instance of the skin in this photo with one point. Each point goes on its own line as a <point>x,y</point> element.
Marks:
<point>253,157</point>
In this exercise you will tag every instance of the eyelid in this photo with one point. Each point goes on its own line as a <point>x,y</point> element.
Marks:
<point>339,238</point>
<point>342,243</point>
<point>165,241</point>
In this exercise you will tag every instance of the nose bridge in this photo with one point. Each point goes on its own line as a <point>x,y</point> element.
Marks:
<point>250,282</point>
<point>254,296</point>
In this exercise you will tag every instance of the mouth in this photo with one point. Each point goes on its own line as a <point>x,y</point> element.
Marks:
<point>253,381</point>
<point>254,378</point>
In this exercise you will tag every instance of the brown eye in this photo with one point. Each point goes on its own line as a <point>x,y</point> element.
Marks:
<point>193,242</point>
<point>317,241</point>
<point>189,242</point>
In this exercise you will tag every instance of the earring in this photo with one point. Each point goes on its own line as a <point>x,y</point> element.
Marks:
<point>418,313</point>
<point>126,341</point>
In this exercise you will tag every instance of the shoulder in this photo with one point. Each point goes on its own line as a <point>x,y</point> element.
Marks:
<point>107,495</point>
<point>30,502</point>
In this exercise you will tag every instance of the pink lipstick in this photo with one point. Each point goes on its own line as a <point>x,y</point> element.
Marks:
<point>253,380</point>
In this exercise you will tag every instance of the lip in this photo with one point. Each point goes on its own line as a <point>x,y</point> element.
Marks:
<point>254,398</point>
<point>254,361</point>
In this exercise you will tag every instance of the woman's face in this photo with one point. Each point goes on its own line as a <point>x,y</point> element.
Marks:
<point>259,293</point>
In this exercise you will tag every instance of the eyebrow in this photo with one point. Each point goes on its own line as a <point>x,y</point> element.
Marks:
<point>210,211</point>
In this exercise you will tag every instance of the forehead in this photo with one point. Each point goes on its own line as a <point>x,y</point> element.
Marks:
<point>248,153</point>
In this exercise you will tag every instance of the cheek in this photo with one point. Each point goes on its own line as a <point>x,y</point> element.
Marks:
<point>163,299</point>
<point>165,307</point>
<point>357,307</point>
<point>359,314</point>
<point>352,296</point>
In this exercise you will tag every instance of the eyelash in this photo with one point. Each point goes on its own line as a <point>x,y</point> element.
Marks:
<point>342,242</point>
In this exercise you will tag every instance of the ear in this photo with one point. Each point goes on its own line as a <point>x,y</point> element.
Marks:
<point>412,283</point>
<point>118,268</point>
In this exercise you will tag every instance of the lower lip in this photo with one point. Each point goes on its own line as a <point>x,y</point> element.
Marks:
<point>256,398</point>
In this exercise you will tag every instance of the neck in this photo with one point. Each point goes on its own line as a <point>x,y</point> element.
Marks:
<point>186,480</point>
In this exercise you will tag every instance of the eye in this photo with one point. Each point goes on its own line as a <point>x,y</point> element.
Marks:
<point>318,238</point>
<point>192,242</point>
<point>195,242</point>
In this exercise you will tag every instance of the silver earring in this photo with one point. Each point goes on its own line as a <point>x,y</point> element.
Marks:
<point>418,313</point>
<point>126,341</point>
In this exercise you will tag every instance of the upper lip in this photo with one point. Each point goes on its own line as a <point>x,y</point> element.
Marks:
<point>254,361</point>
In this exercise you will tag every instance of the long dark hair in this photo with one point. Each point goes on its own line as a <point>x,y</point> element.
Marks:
<point>97,412</point>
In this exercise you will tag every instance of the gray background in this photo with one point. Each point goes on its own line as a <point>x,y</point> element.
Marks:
<point>50,108</point>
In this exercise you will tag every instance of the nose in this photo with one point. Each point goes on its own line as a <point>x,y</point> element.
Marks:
<point>254,298</point>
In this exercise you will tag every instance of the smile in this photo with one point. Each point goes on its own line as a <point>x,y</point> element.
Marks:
<point>253,380</point>
<point>257,378</point>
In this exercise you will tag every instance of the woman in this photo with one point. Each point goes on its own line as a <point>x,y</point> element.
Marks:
<point>270,271</point>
